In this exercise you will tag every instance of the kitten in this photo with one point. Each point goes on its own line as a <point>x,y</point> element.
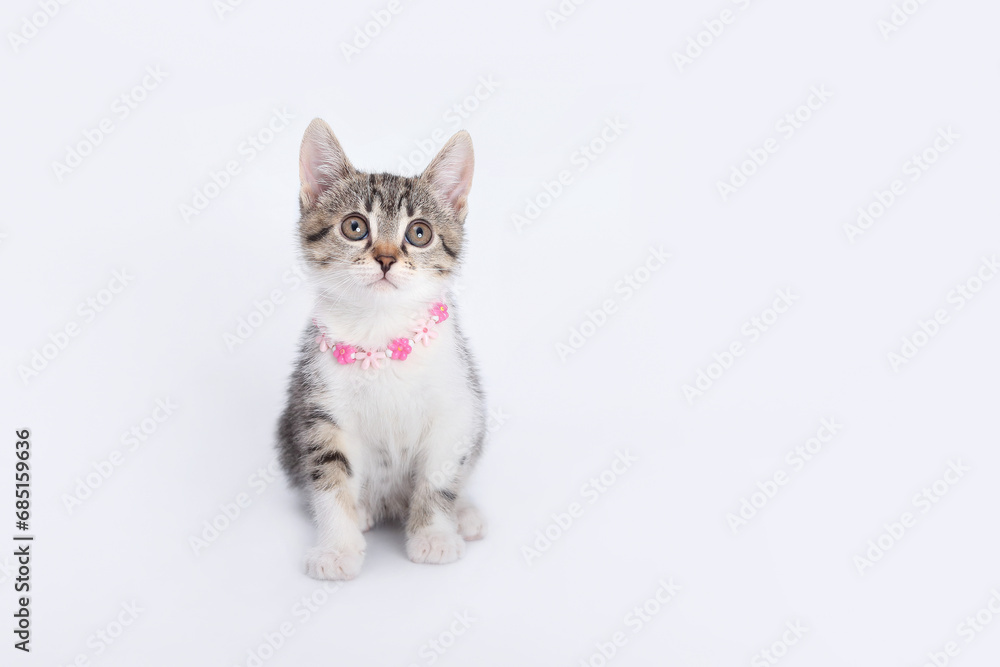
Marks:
<point>385,416</point>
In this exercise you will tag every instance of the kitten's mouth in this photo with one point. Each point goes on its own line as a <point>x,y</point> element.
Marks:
<point>383,283</point>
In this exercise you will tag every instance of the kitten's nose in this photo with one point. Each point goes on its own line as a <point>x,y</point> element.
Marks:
<point>386,261</point>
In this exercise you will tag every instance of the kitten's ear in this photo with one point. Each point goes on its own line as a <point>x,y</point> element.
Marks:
<point>450,172</point>
<point>322,162</point>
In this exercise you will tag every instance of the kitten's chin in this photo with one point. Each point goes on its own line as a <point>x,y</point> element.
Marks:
<point>384,292</point>
<point>403,288</point>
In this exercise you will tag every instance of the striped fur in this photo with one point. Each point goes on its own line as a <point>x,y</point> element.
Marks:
<point>397,442</point>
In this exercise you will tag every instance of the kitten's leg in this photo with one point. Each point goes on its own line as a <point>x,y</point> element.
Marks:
<point>334,489</point>
<point>471,524</point>
<point>434,520</point>
<point>432,525</point>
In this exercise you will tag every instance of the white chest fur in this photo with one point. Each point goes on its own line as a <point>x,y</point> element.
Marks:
<point>420,409</point>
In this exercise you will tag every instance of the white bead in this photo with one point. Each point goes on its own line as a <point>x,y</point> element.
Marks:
<point>434,317</point>
<point>412,342</point>
<point>388,354</point>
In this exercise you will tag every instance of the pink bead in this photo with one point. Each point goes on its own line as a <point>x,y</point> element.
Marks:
<point>345,353</point>
<point>400,348</point>
<point>441,310</point>
<point>371,359</point>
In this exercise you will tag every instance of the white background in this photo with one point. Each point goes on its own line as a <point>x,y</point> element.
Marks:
<point>163,336</point>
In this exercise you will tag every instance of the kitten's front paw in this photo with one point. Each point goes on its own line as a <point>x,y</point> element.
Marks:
<point>436,547</point>
<point>338,565</point>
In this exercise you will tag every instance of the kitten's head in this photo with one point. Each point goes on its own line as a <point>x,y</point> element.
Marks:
<point>381,236</point>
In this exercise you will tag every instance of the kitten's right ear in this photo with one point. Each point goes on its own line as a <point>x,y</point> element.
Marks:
<point>322,163</point>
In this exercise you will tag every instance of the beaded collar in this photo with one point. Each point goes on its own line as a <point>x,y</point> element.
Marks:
<point>397,349</point>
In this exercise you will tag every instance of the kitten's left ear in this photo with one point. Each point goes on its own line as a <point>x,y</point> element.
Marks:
<point>450,172</point>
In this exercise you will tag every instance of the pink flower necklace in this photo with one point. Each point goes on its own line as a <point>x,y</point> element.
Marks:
<point>398,348</point>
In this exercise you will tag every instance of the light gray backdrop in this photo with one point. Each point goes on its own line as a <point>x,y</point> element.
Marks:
<point>667,268</point>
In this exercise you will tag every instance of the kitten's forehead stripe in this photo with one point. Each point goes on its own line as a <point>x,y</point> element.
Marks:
<point>376,185</point>
<point>408,196</point>
<point>371,193</point>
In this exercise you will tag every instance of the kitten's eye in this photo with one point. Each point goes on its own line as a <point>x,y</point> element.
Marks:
<point>419,233</point>
<point>355,228</point>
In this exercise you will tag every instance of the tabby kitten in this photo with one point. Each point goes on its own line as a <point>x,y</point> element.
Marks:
<point>385,415</point>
